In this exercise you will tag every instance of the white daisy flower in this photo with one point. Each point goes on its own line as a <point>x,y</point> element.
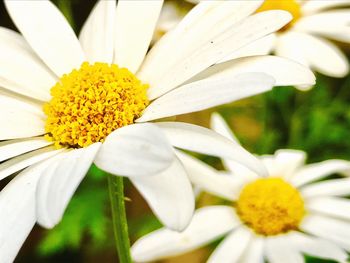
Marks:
<point>91,110</point>
<point>306,38</point>
<point>276,218</point>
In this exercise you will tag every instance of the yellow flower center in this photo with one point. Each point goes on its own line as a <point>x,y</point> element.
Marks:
<point>292,6</point>
<point>270,206</point>
<point>91,102</point>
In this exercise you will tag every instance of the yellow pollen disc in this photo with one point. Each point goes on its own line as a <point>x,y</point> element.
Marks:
<point>270,206</point>
<point>292,6</point>
<point>91,102</point>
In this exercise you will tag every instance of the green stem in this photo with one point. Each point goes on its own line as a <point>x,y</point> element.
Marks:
<point>120,225</point>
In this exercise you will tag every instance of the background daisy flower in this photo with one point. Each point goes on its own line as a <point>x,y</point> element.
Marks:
<point>306,38</point>
<point>278,218</point>
<point>93,111</point>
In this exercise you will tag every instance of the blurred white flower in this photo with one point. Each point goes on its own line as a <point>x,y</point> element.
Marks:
<point>278,218</point>
<point>98,111</point>
<point>307,37</point>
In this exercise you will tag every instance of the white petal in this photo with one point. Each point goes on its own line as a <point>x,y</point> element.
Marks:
<point>208,223</point>
<point>8,35</point>
<point>254,253</point>
<point>232,247</point>
<point>285,72</point>
<point>218,124</point>
<point>278,250</point>
<point>18,63</point>
<point>12,148</point>
<point>135,23</point>
<point>317,247</point>
<point>97,34</point>
<point>262,46</point>
<point>20,162</point>
<point>210,52</point>
<point>17,211</point>
<point>320,54</point>
<point>284,162</point>
<point>287,162</point>
<point>202,140</point>
<point>207,93</point>
<point>170,15</point>
<point>331,229</point>
<point>332,24</point>
<point>310,7</point>
<point>317,171</point>
<point>287,45</point>
<point>331,206</point>
<point>336,187</point>
<point>34,103</point>
<point>203,23</point>
<point>208,179</point>
<point>8,93</point>
<point>48,33</point>
<point>169,194</point>
<point>20,119</point>
<point>238,170</point>
<point>135,150</point>
<point>61,179</point>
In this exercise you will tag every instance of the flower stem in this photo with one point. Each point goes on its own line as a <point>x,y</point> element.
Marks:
<point>120,225</point>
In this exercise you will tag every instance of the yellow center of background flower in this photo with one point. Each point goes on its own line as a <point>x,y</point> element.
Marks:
<point>91,102</point>
<point>292,6</point>
<point>270,206</point>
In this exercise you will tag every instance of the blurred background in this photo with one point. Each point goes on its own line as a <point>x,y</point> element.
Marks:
<point>317,121</point>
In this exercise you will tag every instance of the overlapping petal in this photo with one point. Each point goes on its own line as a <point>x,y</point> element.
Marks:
<point>18,62</point>
<point>61,179</point>
<point>316,52</point>
<point>207,93</point>
<point>97,34</point>
<point>239,240</point>
<point>331,229</point>
<point>169,194</point>
<point>285,72</point>
<point>18,114</point>
<point>22,161</point>
<point>13,148</point>
<point>208,179</point>
<point>135,150</point>
<point>134,27</point>
<point>198,139</point>
<point>317,247</point>
<point>215,49</point>
<point>207,224</point>
<point>17,210</point>
<point>47,31</point>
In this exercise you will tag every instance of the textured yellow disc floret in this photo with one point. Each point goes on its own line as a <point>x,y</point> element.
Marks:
<point>292,6</point>
<point>91,102</point>
<point>270,206</point>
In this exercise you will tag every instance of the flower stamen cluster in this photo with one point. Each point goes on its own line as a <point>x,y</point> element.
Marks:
<point>91,102</point>
<point>270,206</point>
